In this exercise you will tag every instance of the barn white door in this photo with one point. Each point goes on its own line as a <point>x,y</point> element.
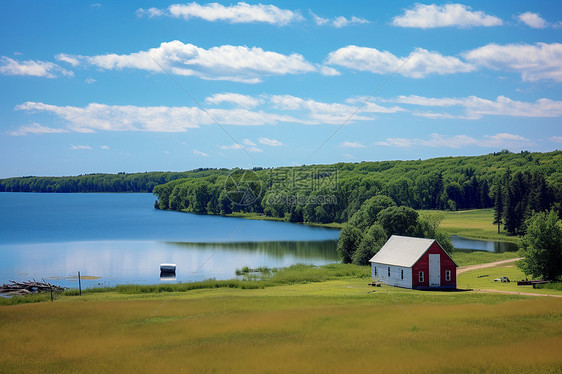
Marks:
<point>434,270</point>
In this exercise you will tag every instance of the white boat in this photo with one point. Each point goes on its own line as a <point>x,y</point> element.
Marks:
<point>167,268</point>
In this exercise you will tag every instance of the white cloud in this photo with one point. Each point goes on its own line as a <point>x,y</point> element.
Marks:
<point>476,107</point>
<point>68,59</point>
<point>534,62</point>
<point>151,12</point>
<point>226,62</point>
<point>347,155</point>
<point>35,129</point>
<point>270,142</point>
<point>338,22</point>
<point>457,15</point>
<point>106,147</point>
<point>102,117</point>
<point>80,147</point>
<point>95,5</point>
<point>199,153</point>
<point>248,142</point>
<point>555,139</point>
<point>341,21</point>
<point>352,145</point>
<point>89,80</point>
<point>533,20</point>
<point>315,112</point>
<point>32,68</point>
<point>501,140</point>
<point>244,101</point>
<point>418,64</point>
<point>239,13</point>
<point>237,146</point>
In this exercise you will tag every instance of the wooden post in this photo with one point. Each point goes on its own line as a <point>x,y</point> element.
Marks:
<point>51,293</point>
<point>79,285</point>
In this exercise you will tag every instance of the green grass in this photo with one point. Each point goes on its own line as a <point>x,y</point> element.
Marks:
<point>484,279</point>
<point>340,325</point>
<point>474,224</point>
<point>481,257</point>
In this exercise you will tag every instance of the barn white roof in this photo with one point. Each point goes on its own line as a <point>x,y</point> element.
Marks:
<point>402,251</point>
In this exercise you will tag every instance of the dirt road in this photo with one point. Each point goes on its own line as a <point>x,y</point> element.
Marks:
<point>462,269</point>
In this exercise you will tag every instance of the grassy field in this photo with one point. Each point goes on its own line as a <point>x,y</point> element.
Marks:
<point>333,326</point>
<point>475,224</point>
<point>338,325</point>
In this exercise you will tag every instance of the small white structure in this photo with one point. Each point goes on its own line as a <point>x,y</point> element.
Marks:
<point>167,268</point>
<point>414,263</point>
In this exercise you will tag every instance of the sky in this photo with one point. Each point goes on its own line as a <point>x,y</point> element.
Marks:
<point>134,86</point>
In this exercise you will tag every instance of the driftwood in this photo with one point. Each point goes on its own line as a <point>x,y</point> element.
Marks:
<point>23,288</point>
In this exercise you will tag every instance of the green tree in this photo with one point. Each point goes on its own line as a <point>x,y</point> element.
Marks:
<point>542,246</point>
<point>350,238</point>
<point>398,220</point>
<point>372,241</point>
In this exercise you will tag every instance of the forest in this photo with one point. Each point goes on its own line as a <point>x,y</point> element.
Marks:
<point>514,184</point>
<point>100,182</point>
<point>333,193</point>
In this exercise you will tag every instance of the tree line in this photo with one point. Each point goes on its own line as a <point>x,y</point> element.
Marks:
<point>334,193</point>
<point>100,182</point>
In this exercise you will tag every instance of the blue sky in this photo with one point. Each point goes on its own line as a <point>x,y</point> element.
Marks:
<point>150,85</point>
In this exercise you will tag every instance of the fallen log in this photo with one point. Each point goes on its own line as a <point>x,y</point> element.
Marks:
<point>30,286</point>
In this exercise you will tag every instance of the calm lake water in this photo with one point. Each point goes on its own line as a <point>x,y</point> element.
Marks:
<point>465,244</point>
<point>121,239</point>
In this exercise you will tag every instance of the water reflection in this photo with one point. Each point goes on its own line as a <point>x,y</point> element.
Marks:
<point>461,243</point>
<point>138,262</point>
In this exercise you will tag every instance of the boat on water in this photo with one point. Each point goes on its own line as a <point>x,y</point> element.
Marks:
<point>167,268</point>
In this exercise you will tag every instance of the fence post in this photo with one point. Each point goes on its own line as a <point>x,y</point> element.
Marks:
<point>79,285</point>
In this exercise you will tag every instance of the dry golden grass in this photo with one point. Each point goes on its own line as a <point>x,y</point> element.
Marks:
<point>335,326</point>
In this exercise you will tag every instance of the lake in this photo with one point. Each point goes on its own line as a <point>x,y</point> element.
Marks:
<point>464,244</point>
<point>121,239</point>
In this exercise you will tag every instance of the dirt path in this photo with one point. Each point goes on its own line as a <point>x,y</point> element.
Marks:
<point>517,293</point>
<point>462,269</point>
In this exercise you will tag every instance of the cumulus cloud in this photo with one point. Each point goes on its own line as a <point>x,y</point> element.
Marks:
<point>244,101</point>
<point>35,129</point>
<point>248,142</point>
<point>270,142</point>
<point>199,153</point>
<point>106,147</point>
<point>418,64</point>
<point>555,139</point>
<point>448,15</point>
<point>226,62</point>
<point>534,62</point>
<point>239,13</point>
<point>337,22</point>
<point>351,145</point>
<point>533,20</point>
<point>34,68</point>
<point>501,140</point>
<point>476,107</point>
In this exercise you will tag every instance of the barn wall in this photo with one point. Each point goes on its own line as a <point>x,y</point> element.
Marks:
<point>395,278</point>
<point>423,265</point>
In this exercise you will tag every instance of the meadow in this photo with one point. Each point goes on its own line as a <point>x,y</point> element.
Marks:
<point>337,324</point>
<point>474,224</point>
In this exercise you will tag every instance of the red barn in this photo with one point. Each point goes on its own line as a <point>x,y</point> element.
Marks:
<point>414,263</point>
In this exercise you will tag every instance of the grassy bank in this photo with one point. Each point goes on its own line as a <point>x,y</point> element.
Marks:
<point>474,224</point>
<point>334,326</point>
<point>263,217</point>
